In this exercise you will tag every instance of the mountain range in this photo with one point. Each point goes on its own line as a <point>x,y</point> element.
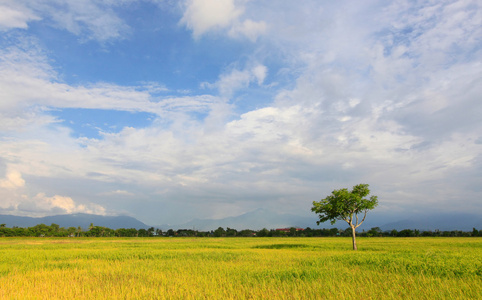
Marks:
<point>442,222</point>
<point>256,220</point>
<point>261,218</point>
<point>74,220</point>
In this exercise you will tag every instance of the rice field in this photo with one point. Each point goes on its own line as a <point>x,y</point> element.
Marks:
<point>240,268</point>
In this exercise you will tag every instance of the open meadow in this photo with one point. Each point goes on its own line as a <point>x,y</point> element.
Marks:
<point>240,268</point>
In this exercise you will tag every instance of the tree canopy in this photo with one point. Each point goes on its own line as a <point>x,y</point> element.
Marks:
<point>346,205</point>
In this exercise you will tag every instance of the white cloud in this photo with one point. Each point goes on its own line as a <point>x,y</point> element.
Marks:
<point>62,204</point>
<point>87,19</point>
<point>249,28</point>
<point>235,80</point>
<point>202,16</point>
<point>13,180</point>
<point>229,83</point>
<point>14,15</point>
<point>118,193</point>
<point>30,87</point>
<point>260,73</point>
<point>15,199</point>
<point>56,202</point>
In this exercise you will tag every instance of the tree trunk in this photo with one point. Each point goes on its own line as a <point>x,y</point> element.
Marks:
<point>354,237</point>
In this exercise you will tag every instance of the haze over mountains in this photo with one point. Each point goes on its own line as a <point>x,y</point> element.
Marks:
<point>74,220</point>
<point>255,220</point>
<point>261,218</point>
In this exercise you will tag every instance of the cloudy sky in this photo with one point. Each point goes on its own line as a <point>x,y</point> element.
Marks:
<point>173,110</point>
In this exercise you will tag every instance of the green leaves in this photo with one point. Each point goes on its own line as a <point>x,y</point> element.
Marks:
<point>345,205</point>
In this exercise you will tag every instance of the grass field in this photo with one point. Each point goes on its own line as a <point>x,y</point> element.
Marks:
<point>240,268</point>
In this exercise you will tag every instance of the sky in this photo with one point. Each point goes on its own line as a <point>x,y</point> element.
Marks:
<point>169,111</point>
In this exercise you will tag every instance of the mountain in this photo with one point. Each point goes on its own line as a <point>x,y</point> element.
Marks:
<point>74,220</point>
<point>259,219</point>
<point>255,220</point>
<point>443,222</point>
<point>263,218</point>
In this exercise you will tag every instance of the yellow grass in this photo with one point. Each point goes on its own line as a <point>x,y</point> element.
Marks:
<point>240,268</point>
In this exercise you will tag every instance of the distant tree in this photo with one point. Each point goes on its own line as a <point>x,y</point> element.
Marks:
<point>40,230</point>
<point>375,231</point>
<point>347,232</point>
<point>71,231</point>
<point>308,232</point>
<point>246,233</point>
<point>263,232</point>
<point>131,232</point>
<point>427,233</point>
<point>406,233</point>
<point>333,232</point>
<point>231,232</point>
<point>277,233</point>
<point>219,232</point>
<point>345,205</point>
<point>18,231</point>
<point>100,231</point>
<point>293,231</point>
<point>54,227</point>
<point>120,232</point>
<point>186,232</point>
<point>202,233</point>
<point>143,232</point>
<point>5,231</point>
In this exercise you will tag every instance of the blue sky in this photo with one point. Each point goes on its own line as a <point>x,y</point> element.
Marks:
<point>173,110</point>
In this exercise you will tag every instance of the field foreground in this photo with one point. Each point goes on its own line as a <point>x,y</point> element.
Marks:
<point>240,268</point>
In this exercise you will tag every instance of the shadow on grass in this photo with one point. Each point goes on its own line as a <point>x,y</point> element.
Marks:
<point>281,246</point>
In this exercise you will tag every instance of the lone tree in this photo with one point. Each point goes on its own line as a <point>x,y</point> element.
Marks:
<point>346,205</point>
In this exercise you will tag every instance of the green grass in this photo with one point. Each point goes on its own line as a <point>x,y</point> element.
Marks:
<point>240,268</point>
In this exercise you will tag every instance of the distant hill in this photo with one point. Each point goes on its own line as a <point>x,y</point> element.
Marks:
<point>443,222</point>
<point>74,220</point>
<point>263,218</point>
<point>255,220</point>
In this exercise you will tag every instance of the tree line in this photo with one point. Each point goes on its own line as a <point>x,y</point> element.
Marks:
<point>54,230</point>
